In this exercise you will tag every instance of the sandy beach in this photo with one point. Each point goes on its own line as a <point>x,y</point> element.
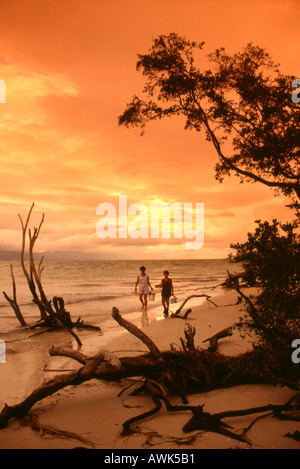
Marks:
<point>94,412</point>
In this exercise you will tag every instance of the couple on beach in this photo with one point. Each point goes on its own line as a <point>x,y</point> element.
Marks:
<point>143,283</point>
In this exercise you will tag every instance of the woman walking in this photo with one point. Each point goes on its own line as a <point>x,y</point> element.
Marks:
<point>143,283</point>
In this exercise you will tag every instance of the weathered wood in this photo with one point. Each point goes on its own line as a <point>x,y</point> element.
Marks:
<point>213,422</point>
<point>136,332</point>
<point>227,332</point>
<point>54,316</point>
<point>206,421</point>
<point>187,299</point>
<point>45,390</point>
<point>13,301</point>
<point>189,333</point>
<point>93,369</point>
<point>177,372</point>
<point>85,373</point>
<point>104,355</point>
<point>33,422</point>
<point>28,275</point>
<point>57,320</point>
<point>185,315</point>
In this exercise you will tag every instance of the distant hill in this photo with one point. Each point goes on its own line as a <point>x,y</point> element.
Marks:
<point>9,255</point>
<point>52,256</point>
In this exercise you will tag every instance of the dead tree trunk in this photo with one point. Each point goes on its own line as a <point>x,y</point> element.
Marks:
<point>29,275</point>
<point>13,301</point>
<point>50,315</point>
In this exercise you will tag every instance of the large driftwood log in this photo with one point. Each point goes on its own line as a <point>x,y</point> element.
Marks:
<point>179,372</point>
<point>206,421</point>
<point>112,369</point>
<point>50,387</point>
<point>175,372</point>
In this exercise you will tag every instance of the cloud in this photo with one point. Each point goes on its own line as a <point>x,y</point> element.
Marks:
<point>70,72</point>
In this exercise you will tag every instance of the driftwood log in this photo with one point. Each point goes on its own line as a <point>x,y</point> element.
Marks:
<point>13,301</point>
<point>189,333</point>
<point>205,421</point>
<point>179,373</point>
<point>166,373</point>
<point>213,340</point>
<point>176,314</point>
<point>188,311</point>
<point>52,313</point>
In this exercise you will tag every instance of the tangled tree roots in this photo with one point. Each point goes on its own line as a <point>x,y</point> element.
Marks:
<point>166,374</point>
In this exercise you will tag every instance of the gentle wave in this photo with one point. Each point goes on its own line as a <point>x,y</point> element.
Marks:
<point>89,288</point>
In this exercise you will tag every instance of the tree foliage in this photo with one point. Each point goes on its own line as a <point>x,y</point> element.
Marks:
<point>242,98</point>
<point>271,258</point>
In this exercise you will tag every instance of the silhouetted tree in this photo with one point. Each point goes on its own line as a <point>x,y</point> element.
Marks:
<point>270,258</point>
<point>243,99</point>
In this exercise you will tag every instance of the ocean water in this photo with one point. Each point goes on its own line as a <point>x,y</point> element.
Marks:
<point>90,290</point>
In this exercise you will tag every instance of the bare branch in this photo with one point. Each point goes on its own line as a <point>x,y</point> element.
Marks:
<point>13,302</point>
<point>137,332</point>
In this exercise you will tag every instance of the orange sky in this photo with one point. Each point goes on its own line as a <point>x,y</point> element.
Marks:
<point>69,72</point>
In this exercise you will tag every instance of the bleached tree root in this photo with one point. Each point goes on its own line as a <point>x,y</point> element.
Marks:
<point>176,314</point>
<point>213,340</point>
<point>176,373</point>
<point>188,311</point>
<point>205,421</point>
<point>85,373</point>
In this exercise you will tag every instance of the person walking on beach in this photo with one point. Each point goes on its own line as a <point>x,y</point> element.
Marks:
<point>144,283</point>
<point>166,292</point>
